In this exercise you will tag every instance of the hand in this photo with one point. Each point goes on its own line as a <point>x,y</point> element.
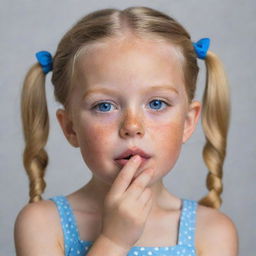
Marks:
<point>127,206</point>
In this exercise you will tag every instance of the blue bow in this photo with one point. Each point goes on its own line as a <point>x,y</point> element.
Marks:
<point>201,47</point>
<point>45,60</point>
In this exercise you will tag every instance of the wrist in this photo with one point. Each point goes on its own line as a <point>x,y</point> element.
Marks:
<point>105,246</point>
<point>112,244</point>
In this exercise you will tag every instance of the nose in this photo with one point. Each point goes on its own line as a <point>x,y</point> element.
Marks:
<point>132,125</point>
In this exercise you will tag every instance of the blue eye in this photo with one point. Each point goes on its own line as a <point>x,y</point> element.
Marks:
<point>105,106</point>
<point>157,103</point>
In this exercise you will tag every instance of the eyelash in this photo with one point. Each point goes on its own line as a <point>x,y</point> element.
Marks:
<point>101,102</point>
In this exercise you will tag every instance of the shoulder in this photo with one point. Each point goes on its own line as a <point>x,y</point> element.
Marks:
<point>215,228</point>
<point>38,213</point>
<point>38,224</point>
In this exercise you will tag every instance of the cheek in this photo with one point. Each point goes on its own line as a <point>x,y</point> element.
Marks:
<point>169,137</point>
<point>167,145</point>
<point>95,137</point>
<point>94,141</point>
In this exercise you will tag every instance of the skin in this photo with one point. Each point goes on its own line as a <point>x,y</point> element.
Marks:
<point>129,65</point>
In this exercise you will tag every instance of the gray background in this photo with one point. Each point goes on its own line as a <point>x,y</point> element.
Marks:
<point>29,26</point>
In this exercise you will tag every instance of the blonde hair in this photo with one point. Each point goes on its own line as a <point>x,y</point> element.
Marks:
<point>98,27</point>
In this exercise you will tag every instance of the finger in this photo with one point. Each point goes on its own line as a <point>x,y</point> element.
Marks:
<point>139,184</point>
<point>145,197</point>
<point>125,176</point>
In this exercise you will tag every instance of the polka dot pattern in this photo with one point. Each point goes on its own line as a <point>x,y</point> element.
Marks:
<point>186,238</point>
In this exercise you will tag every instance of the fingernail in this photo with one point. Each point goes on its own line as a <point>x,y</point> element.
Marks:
<point>136,158</point>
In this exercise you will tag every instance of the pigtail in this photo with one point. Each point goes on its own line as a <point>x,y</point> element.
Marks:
<point>215,123</point>
<point>35,123</point>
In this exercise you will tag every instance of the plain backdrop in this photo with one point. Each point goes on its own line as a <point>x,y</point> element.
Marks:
<point>30,26</point>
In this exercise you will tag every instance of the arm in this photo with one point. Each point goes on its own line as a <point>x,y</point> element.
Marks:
<point>33,232</point>
<point>221,236</point>
<point>103,246</point>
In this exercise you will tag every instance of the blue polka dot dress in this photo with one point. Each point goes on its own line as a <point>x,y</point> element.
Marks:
<point>74,246</point>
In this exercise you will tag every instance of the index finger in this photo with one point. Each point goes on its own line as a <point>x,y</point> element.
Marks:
<point>125,176</point>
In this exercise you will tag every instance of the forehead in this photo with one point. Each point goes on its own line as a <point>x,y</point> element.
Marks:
<point>130,62</point>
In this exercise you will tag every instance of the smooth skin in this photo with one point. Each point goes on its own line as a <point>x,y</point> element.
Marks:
<point>128,66</point>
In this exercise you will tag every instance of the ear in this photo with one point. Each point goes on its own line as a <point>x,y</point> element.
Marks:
<point>193,115</point>
<point>67,127</point>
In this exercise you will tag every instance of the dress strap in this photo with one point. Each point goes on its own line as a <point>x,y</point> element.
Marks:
<point>68,223</point>
<point>187,224</point>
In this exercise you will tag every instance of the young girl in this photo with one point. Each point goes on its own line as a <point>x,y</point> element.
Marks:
<point>126,80</point>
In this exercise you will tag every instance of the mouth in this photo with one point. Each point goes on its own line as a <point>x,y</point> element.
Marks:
<point>127,154</point>
<point>123,161</point>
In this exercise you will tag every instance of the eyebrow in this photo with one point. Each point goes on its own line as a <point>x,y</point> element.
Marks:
<point>114,92</point>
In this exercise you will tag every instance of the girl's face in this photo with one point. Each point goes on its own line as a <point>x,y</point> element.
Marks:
<point>129,93</point>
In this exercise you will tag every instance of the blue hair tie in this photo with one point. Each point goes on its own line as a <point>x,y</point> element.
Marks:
<point>45,60</point>
<point>201,47</point>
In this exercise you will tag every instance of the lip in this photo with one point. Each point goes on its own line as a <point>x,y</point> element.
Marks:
<point>122,162</point>
<point>133,151</point>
